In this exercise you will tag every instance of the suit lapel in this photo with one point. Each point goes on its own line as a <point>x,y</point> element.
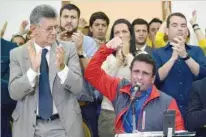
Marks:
<point>52,66</point>
<point>148,50</point>
<point>27,62</point>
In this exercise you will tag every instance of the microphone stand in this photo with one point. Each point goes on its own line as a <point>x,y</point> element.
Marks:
<point>136,90</point>
<point>132,104</point>
<point>134,117</point>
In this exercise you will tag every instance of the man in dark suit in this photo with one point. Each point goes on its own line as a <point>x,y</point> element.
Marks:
<point>141,30</point>
<point>196,112</point>
<point>7,104</point>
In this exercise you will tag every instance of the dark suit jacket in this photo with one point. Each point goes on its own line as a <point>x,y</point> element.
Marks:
<point>148,50</point>
<point>195,118</point>
<point>7,104</point>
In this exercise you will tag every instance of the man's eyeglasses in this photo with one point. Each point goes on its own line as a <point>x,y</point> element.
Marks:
<point>50,29</point>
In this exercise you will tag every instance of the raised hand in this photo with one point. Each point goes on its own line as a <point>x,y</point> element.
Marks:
<point>194,18</point>
<point>77,38</point>
<point>115,43</point>
<point>174,56</point>
<point>120,55</point>
<point>35,58</point>
<point>60,58</point>
<point>63,36</point>
<point>82,22</point>
<point>179,46</point>
<point>23,26</point>
<point>3,29</point>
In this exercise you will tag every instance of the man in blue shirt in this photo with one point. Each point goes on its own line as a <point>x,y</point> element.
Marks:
<point>86,47</point>
<point>178,64</point>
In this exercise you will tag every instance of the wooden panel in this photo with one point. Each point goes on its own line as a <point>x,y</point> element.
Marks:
<point>65,2</point>
<point>166,9</point>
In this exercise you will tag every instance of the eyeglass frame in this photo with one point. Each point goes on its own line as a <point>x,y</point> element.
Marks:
<point>49,30</point>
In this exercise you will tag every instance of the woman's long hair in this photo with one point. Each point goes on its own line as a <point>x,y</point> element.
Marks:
<point>132,46</point>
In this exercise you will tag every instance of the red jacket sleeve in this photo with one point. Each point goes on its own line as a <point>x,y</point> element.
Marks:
<point>98,78</point>
<point>179,122</point>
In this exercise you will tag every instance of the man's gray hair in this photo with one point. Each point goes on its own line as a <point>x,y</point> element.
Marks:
<point>42,11</point>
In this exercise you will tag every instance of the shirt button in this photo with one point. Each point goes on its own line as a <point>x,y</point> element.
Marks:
<point>180,95</point>
<point>180,83</point>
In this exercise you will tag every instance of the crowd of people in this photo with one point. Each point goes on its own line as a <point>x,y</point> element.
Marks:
<point>62,72</point>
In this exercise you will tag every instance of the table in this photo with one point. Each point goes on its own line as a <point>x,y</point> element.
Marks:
<point>156,134</point>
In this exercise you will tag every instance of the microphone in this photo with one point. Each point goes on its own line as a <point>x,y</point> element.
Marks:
<point>131,104</point>
<point>133,98</point>
<point>136,89</point>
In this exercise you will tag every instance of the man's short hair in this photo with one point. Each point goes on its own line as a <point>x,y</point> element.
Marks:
<point>178,14</point>
<point>70,7</point>
<point>42,11</point>
<point>140,21</point>
<point>144,58</point>
<point>155,20</point>
<point>98,15</point>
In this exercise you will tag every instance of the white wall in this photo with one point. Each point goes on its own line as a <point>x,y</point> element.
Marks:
<point>20,10</point>
<point>16,11</point>
<point>186,7</point>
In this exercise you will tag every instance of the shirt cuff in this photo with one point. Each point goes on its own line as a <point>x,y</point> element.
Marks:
<point>63,74</point>
<point>31,74</point>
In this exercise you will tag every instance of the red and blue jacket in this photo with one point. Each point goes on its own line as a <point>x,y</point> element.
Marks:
<point>118,92</point>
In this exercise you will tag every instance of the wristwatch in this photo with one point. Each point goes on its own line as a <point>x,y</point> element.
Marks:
<point>82,55</point>
<point>187,57</point>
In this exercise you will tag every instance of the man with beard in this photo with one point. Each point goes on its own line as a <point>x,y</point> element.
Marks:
<point>69,20</point>
<point>86,47</point>
<point>178,64</point>
<point>141,29</point>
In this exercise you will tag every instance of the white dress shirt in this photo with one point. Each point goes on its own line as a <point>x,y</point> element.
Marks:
<point>142,50</point>
<point>31,74</point>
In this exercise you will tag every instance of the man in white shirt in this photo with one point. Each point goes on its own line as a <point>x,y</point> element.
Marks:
<point>43,80</point>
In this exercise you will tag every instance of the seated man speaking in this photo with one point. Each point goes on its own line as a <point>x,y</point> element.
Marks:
<point>149,103</point>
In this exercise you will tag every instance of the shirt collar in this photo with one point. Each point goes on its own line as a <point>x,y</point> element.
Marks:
<point>147,92</point>
<point>143,48</point>
<point>144,93</point>
<point>39,48</point>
